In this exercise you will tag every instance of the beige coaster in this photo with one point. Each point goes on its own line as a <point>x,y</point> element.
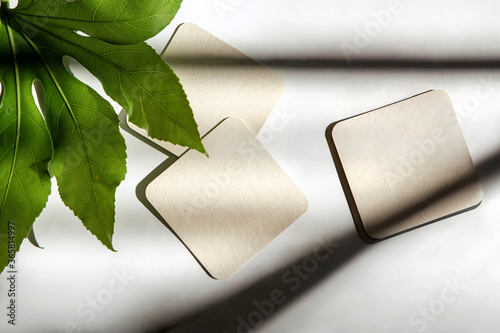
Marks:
<point>219,81</point>
<point>226,208</point>
<point>405,165</point>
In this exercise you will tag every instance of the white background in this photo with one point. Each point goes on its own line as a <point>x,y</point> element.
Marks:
<point>440,44</point>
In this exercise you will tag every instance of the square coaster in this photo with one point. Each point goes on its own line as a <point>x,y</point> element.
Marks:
<point>404,165</point>
<point>219,81</point>
<point>227,207</point>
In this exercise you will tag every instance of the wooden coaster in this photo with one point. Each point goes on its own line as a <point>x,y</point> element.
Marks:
<point>219,81</point>
<point>226,208</point>
<point>404,165</point>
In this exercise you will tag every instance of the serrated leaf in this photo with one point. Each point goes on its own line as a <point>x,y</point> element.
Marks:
<point>133,75</point>
<point>78,131</point>
<point>121,22</point>
<point>25,147</point>
<point>89,151</point>
<point>138,79</point>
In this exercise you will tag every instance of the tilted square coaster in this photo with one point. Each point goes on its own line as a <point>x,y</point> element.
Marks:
<point>227,207</point>
<point>219,81</point>
<point>404,165</point>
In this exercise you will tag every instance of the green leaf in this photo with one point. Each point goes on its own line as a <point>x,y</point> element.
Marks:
<point>89,151</point>
<point>77,134</point>
<point>133,75</point>
<point>137,78</point>
<point>121,22</point>
<point>25,147</point>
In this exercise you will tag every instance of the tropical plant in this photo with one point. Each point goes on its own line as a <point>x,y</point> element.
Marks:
<point>74,135</point>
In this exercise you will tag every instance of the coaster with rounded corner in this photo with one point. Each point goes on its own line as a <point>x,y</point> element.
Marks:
<point>219,81</point>
<point>227,207</point>
<point>404,165</point>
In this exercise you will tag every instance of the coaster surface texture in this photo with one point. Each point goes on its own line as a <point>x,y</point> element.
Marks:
<point>227,207</point>
<point>405,165</point>
<point>219,81</point>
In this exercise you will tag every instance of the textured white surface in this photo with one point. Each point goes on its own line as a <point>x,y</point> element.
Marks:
<point>379,288</point>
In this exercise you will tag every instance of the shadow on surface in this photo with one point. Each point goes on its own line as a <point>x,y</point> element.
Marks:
<point>263,299</point>
<point>311,63</point>
<point>290,281</point>
<point>140,190</point>
<point>489,168</point>
<point>438,64</point>
<point>252,306</point>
